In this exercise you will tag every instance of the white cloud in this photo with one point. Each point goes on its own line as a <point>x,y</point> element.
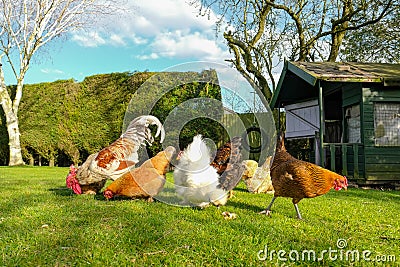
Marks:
<point>90,39</point>
<point>182,45</point>
<point>52,71</point>
<point>117,40</point>
<point>147,57</point>
<point>152,17</point>
<point>138,40</point>
<point>159,29</point>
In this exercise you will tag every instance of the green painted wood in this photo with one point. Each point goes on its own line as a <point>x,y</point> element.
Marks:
<point>387,167</point>
<point>379,159</point>
<point>322,124</point>
<point>344,159</point>
<point>352,160</point>
<point>273,104</point>
<point>303,74</point>
<point>332,150</point>
<point>382,152</point>
<point>351,95</point>
<point>381,162</point>
<point>356,170</point>
<point>382,176</point>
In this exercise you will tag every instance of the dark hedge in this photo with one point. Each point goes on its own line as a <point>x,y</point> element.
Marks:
<point>62,122</point>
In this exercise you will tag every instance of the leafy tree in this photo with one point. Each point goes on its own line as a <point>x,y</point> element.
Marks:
<point>377,42</point>
<point>260,33</point>
<point>25,27</point>
<point>40,119</point>
<point>65,121</point>
<point>190,85</point>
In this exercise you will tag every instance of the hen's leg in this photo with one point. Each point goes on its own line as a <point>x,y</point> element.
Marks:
<point>203,205</point>
<point>298,212</point>
<point>267,211</point>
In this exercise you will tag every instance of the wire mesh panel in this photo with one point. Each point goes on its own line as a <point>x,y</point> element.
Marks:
<point>353,124</point>
<point>387,124</point>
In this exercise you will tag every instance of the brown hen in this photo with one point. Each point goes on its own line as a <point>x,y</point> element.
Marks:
<point>222,157</point>
<point>145,181</point>
<point>298,179</point>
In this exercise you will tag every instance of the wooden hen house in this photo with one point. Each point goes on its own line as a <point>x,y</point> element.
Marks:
<point>351,111</point>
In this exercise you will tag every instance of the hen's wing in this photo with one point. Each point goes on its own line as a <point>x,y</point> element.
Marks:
<point>222,156</point>
<point>116,159</point>
<point>138,130</point>
<point>145,181</point>
<point>234,167</point>
<point>121,155</point>
<point>299,179</point>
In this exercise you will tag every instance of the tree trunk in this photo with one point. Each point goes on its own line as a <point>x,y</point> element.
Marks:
<point>12,125</point>
<point>10,112</point>
<point>51,162</point>
<point>14,140</point>
<point>31,160</point>
<point>337,40</point>
<point>339,31</point>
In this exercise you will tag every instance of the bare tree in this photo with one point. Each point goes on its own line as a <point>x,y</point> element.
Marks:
<point>261,33</point>
<point>377,42</point>
<point>25,27</point>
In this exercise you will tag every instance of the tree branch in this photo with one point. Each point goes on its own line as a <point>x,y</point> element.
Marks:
<point>247,57</point>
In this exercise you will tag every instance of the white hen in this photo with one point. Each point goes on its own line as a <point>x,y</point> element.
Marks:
<point>197,182</point>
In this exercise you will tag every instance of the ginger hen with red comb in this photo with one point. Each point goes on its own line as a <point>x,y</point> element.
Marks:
<point>298,179</point>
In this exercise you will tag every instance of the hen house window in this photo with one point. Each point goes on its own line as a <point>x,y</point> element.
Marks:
<point>353,124</point>
<point>387,124</point>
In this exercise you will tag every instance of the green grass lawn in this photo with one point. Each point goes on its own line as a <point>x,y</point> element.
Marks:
<point>43,224</point>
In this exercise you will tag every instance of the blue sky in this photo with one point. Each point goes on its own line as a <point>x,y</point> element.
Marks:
<point>148,35</point>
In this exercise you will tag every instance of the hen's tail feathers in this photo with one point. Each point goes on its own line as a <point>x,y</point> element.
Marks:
<point>234,170</point>
<point>268,163</point>
<point>197,152</point>
<point>280,145</point>
<point>138,130</point>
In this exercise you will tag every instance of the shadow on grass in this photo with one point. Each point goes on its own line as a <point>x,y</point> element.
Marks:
<point>241,190</point>
<point>66,192</point>
<point>60,191</point>
<point>245,206</point>
<point>371,194</point>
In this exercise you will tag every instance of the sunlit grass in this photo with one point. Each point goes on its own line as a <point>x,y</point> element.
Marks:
<point>43,224</point>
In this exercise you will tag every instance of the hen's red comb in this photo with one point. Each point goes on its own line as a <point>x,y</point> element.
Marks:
<point>108,194</point>
<point>72,182</point>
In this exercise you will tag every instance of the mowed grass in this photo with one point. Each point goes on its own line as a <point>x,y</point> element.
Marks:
<point>43,224</point>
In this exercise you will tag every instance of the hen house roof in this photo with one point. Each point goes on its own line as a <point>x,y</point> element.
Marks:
<point>298,80</point>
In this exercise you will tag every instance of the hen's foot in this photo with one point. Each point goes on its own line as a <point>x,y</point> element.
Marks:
<point>266,212</point>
